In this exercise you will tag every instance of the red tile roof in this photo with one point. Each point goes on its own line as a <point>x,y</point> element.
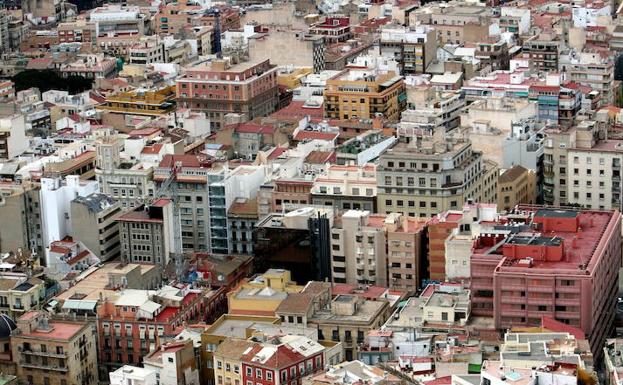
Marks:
<point>254,128</point>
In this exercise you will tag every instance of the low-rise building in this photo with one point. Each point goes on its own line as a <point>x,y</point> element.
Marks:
<point>346,187</point>
<point>54,352</point>
<point>516,185</point>
<point>174,363</point>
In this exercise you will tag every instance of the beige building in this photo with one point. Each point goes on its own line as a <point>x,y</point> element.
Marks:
<point>20,218</point>
<point>54,352</point>
<point>346,187</point>
<point>174,363</point>
<point>348,320</point>
<point>406,251</point>
<point>413,47</point>
<point>516,185</point>
<point>358,253</point>
<point>363,93</point>
<point>94,222</point>
<point>227,360</point>
<point>423,175</point>
<point>19,294</point>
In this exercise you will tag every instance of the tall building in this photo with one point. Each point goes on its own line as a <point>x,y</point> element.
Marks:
<point>358,249</point>
<point>414,48</point>
<point>94,222</point>
<point>542,51</point>
<point>346,187</point>
<point>427,174</point>
<point>146,233</point>
<point>406,252</point>
<point>220,88</point>
<point>13,141</point>
<point>54,352</point>
<point>562,265</point>
<point>20,218</point>
<point>364,93</point>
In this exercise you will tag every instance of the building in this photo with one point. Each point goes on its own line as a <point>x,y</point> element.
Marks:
<point>127,373</point>
<point>439,229</point>
<point>358,249</point>
<point>221,87</point>
<point>79,31</point>
<point>119,20</point>
<point>406,252</point>
<point>242,216</point>
<point>447,170</point>
<point>174,363</point>
<point>262,294</point>
<point>516,185</point>
<point>227,360</point>
<point>282,360</point>
<point>561,265</point>
<point>146,233</point>
<point>20,218</point>
<point>13,141</point>
<point>542,52</point>
<point>413,47</point>
<point>364,93</point>
<point>346,187</point>
<point>342,373</point>
<point>135,322</point>
<point>90,66</point>
<point>594,69</point>
<point>55,196</point>
<point>94,222</point>
<point>20,294</point>
<point>348,319</point>
<point>297,241</point>
<point>333,30</point>
<point>155,103</point>
<point>54,352</point>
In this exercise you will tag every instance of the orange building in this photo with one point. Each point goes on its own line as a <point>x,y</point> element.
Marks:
<point>439,228</point>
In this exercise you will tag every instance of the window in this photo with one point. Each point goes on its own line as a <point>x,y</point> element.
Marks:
<point>249,372</point>
<point>388,202</point>
<point>227,367</point>
<point>219,365</point>
<point>258,373</point>
<point>269,375</point>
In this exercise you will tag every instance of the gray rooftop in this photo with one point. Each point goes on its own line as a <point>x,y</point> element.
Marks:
<point>96,202</point>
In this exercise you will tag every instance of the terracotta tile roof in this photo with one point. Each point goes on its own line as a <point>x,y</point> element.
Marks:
<point>512,174</point>
<point>298,303</point>
<point>254,128</point>
<point>320,157</point>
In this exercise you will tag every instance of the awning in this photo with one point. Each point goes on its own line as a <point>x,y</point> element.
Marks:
<point>78,304</point>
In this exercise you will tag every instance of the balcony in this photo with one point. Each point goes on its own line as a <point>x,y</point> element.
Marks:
<point>33,365</point>
<point>44,354</point>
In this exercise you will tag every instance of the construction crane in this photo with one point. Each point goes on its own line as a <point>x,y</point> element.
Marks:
<point>168,189</point>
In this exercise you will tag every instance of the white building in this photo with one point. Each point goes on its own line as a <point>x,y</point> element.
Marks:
<point>13,140</point>
<point>592,15</point>
<point>132,375</point>
<point>55,198</point>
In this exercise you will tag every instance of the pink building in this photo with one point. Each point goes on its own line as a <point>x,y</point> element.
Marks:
<point>554,263</point>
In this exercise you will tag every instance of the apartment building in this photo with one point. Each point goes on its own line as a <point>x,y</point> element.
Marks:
<point>364,93</point>
<point>262,294</point>
<point>348,319</point>
<point>542,52</point>
<point>414,48</point>
<point>94,222</point>
<point>135,322</point>
<point>127,373</point>
<point>562,266</point>
<point>54,352</point>
<point>282,360</point>
<point>333,29</point>
<point>455,24</point>
<point>242,216</point>
<point>125,181</point>
<point>406,251</point>
<point>190,183</point>
<point>13,141</point>
<point>156,103</point>
<point>119,20</point>
<point>220,87</point>
<point>146,233</point>
<point>516,185</point>
<point>493,52</point>
<point>426,174</point>
<point>593,69</point>
<point>174,363</point>
<point>20,294</point>
<point>227,360</point>
<point>358,249</point>
<point>346,187</point>
<point>20,218</point>
<point>150,49</point>
<point>79,31</point>
<point>440,110</point>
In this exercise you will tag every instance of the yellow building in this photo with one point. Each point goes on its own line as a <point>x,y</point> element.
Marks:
<point>262,294</point>
<point>516,185</point>
<point>227,365</point>
<point>227,326</point>
<point>362,93</point>
<point>290,77</point>
<point>145,103</point>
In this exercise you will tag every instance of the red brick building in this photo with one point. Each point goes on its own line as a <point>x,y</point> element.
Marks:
<point>332,29</point>
<point>283,360</point>
<point>439,228</point>
<point>219,88</point>
<point>132,324</point>
<point>555,263</point>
